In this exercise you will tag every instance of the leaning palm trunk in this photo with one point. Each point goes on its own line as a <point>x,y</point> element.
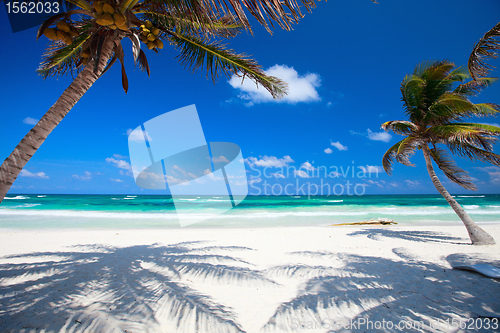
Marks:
<point>12,166</point>
<point>477,235</point>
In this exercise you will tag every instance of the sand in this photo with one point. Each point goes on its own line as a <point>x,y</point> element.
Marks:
<point>297,279</point>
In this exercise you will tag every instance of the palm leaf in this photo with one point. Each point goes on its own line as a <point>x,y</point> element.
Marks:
<point>199,54</point>
<point>62,58</point>
<point>485,50</point>
<point>400,127</point>
<point>474,87</point>
<point>473,153</point>
<point>401,152</point>
<point>451,170</point>
<point>473,134</point>
<point>226,26</point>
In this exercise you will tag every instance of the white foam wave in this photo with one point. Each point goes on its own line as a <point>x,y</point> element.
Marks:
<point>17,197</point>
<point>128,198</point>
<point>41,196</point>
<point>131,196</point>
<point>335,201</point>
<point>186,199</point>
<point>86,214</point>
<point>470,196</point>
<point>471,206</point>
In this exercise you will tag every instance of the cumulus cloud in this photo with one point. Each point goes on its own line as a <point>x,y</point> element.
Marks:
<point>30,121</point>
<point>493,172</point>
<point>277,175</point>
<point>308,166</point>
<point>301,174</point>
<point>412,183</point>
<point>221,158</point>
<point>375,136</point>
<point>120,163</point>
<point>86,176</point>
<point>338,145</point>
<point>301,88</point>
<point>254,181</point>
<point>137,135</point>
<point>328,151</point>
<point>269,161</point>
<point>116,180</point>
<point>26,173</point>
<point>371,169</point>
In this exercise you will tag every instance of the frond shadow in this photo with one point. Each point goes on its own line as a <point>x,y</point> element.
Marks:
<point>411,235</point>
<point>373,289</point>
<point>108,289</point>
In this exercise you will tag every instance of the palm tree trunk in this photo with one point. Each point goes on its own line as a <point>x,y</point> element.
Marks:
<point>477,235</point>
<point>12,166</point>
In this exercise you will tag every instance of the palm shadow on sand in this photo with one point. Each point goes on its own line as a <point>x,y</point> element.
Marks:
<point>350,289</point>
<point>411,235</point>
<point>130,289</point>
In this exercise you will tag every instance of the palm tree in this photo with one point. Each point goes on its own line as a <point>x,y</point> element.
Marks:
<point>434,110</point>
<point>86,40</point>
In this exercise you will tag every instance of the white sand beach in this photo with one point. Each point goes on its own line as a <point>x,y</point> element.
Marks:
<point>296,279</point>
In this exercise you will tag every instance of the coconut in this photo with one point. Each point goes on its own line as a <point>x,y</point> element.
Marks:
<point>151,37</point>
<point>119,19</point>
<point>98,7</point>
<point>108,9</point>
<point>151,45</point>
<point>159,44</point>
<point>61,25</point>
<point>51,33</point>
<point>105,19</point>
<point>64,37</point>
<point>155,31</point>
<point>148,24</point>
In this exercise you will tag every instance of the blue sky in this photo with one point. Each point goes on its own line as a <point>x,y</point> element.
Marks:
<point>344,63</point>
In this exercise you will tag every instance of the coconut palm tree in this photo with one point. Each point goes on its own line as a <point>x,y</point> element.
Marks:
<point>434,108</point>
<point>86,40</point>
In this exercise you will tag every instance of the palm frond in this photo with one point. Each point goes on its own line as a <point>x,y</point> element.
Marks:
<point>61,58</point>
<point>400,152</point>
<point>474,87</point>
<point>449,106</point>
<point>284,13</point>
<point>411,90</point>
<point>226,26</point>
<point>400,127</point>
<point>478,135</point>
<point>486,109</point>
<point>485,50</point>
<point>214,57</point>
<point>451,170</point>
<point>473,153</point>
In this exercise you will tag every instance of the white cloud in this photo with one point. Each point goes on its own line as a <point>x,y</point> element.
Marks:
<point>269,161</point>
<point>26,173</point>
<point>328,151</point>
<point>221,158</point>
<point>372,169</point>
<point>116,180</point>
<point>86,176</point>
<point>30,121</point>
<point>308,166</point>
<point>339,146</point>
<point>254,181</point>
<point>301,174</point>
<point>137,135</point>
<point>375,136</point>
<point>119,163</point>
<point>301,88</point>
<point>493,172</point>
<point>379,136</point>
<point>277,175</point>
<point>412,183</point>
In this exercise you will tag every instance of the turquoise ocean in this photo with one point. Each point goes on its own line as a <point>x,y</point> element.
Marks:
<point>40,211</point>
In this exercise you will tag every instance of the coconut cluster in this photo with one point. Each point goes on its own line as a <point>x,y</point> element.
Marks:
<point>63,32</point>
<point>108,17</point>
<point>149,35</point>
